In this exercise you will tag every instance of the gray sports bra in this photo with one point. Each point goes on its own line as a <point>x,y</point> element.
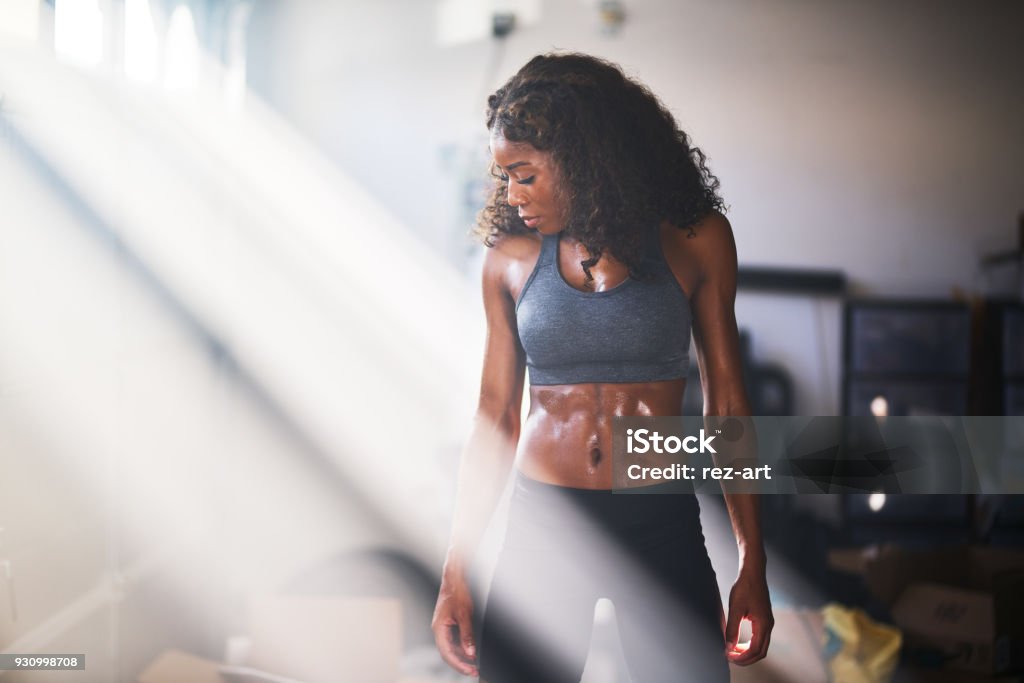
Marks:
<point>638,331</point>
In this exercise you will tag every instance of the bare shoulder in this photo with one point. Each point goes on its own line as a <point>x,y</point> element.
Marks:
<point>697,250</point>
<point>711,234</point>
<point>517,246</point>
<point>511,257</point>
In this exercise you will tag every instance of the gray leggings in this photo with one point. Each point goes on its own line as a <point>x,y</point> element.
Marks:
<point>564,549</point>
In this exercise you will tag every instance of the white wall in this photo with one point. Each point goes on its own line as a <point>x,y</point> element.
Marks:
<point>878,138</point>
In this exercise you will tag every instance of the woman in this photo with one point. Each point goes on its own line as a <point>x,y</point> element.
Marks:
<point>606,246</point>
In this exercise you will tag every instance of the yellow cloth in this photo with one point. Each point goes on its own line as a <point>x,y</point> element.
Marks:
<point>859,650</point>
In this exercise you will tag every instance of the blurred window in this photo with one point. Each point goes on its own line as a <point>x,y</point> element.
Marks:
<point>78,32</point>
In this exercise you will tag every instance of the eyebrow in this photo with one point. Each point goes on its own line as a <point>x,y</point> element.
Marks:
<point>514,166</point>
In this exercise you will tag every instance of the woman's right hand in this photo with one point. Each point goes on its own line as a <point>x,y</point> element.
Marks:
<point>488,454</point>
<point>453,625</point>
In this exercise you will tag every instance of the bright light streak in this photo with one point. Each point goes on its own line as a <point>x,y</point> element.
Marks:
<point>319,294</point>
<point>78,32</point>
<point>876,501</point>
<point>181,52</point>
<point>235,71</point>
<point>141,46</point>
<point>129,412</point>
<point>359,334</point>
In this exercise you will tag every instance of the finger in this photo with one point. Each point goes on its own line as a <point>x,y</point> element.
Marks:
<point>732,628</point>
<point>758,644</point>
<point>466,632</point>
<point>746,657</point>
<point>767,641</point>
<point>441,639</point>
<point>763,630</point>
<point>444,636</point>
<point>757,634</point>
<point>456,658</point>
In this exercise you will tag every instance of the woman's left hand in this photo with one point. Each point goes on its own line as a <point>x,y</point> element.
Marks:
<point>748,599</point>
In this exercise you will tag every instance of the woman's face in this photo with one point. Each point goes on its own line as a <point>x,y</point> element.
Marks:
<point>535,189</point>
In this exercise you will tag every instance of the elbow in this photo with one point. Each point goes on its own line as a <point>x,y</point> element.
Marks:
<point>504,420</point>
<point>726,406</point>
<point>508,426</point>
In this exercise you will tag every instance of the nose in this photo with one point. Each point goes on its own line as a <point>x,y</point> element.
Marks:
<point>516,195</point>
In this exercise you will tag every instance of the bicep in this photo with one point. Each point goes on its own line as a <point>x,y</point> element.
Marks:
<point>504,363</point>
<point>715,333</point>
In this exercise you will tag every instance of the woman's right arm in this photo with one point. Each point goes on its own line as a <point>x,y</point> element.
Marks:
<point>486,461</point>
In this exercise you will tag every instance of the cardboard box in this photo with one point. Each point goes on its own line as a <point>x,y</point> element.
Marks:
<point>175,666</point>
<point>302,639</point>
<point>962,603</point>
<point>325,639</point>
<point>245,674</point>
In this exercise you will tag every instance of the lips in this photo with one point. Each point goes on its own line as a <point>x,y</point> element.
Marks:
<point>530,221</point>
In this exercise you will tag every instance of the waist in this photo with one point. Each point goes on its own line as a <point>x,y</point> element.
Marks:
<point>566,439</point>
<point>568,506</point>
<point>602,400</point>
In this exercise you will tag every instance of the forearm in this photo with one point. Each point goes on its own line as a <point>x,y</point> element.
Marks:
<point>738,448</point>
<point>744,514</point>
<point>485,464</point>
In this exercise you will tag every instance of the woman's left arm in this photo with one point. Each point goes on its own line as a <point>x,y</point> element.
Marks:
<point>707,254</point>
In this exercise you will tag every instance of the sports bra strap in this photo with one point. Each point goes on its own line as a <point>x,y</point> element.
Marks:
<point>548,249</point>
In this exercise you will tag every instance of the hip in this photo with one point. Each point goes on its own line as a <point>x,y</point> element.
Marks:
<point>565,516</point>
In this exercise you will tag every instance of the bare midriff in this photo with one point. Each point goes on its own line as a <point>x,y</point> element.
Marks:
<point>567,436</point>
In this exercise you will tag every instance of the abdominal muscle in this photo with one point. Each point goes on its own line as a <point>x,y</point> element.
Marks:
<point>567,437</point>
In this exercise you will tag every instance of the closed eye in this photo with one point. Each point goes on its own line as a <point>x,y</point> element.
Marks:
<point>503,177</point>
<point>524,181</point>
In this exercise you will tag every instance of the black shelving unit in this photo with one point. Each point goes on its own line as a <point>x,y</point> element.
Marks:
<point>913,354</point>
<point>916,356</point>
<point>999,359</point>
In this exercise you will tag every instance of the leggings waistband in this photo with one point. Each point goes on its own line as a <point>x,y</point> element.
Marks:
<point>661,503</point>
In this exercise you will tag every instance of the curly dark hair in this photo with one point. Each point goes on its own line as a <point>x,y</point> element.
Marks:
<point>625,164</point>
